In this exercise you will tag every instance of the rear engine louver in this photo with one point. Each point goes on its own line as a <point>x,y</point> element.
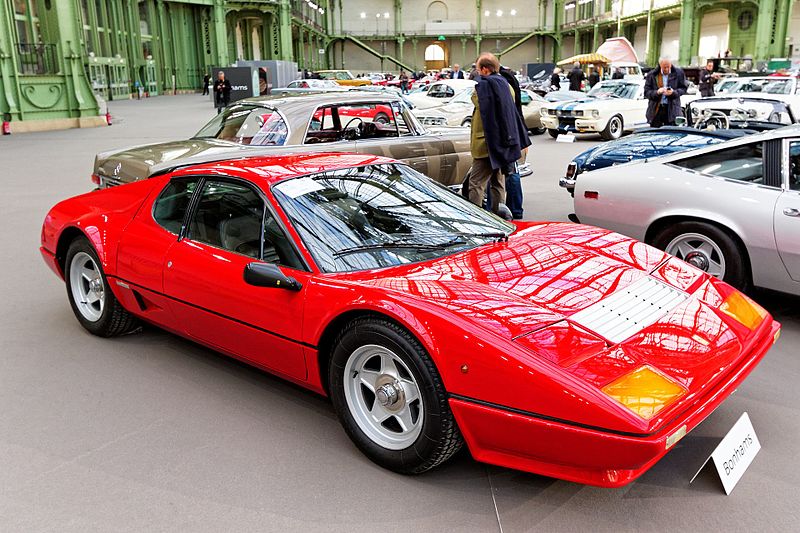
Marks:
<point>630,310</point>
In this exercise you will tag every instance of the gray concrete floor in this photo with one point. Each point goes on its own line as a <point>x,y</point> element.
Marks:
<point>153,433</point>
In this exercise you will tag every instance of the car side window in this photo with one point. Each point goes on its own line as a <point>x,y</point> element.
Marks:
<point>794,166</point>
<point>403,127</point>
<point>742,163</point>
<point>169,209</point>
<point>233,217</point>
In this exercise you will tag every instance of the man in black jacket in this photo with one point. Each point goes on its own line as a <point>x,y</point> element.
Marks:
<point>707,80</point>
<point>222,92</point>
<point>663,87</point>
<point>498,133</point>
<point>514,197</point>
<point>575,77</point>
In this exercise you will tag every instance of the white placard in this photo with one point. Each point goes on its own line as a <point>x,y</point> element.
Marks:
<point>734,454</point>
<point>565,138</point>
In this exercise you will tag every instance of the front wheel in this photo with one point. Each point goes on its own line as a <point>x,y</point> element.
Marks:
<point>94,305</point>
<point>708,248</point>
<point>553,133</point>
<point>613,129</point>
<point>390,399</point>
<point>536,131</point>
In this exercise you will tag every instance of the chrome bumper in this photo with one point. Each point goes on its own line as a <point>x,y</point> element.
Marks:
<point>567,183</point>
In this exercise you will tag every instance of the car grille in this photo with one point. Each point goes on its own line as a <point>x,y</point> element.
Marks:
<point>572,113</point>
<point>108,181</point>
<point>630,310</point>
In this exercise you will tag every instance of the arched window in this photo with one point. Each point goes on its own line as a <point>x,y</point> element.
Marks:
<point>434,52</point>
<point>437,11</point>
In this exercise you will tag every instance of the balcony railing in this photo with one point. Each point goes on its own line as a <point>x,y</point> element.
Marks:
<point>36,59</point>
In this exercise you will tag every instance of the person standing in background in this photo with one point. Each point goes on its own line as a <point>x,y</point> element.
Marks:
<point>555,79</point>
<point>575,77</point>
<point>594,76</point>
<point>403,82</point>
<point>222,92</point>
<point>514,196</point>
<point>497,134</point>
<point>663,87</point>
<point>206,79</point>
<point>458,74</point>
<point>707,80</point>
<point>618,74</point>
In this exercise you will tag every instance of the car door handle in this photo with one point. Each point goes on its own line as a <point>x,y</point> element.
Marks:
<point>791,212</point>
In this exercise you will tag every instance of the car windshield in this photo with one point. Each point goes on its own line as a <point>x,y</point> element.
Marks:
<point>380,216</point>
<point>247,124</point>
<point>612,89</point>
<point>464,97</point>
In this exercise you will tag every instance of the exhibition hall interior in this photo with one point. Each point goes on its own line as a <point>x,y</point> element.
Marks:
<point>385,265</point>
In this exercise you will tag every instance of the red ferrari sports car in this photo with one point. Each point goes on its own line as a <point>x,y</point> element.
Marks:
<point>554,348</point>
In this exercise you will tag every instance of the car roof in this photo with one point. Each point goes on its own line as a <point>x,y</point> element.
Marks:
<point>269,170</point>
<point>286,101</point>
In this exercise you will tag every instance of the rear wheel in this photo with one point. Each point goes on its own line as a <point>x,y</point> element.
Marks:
<point>708,248</point>
<point>613,129</point>
<point>94,305</point>
<point>390,398</point>
<point>381,118</point>
<point>553,133</point>
<point>537,131</point>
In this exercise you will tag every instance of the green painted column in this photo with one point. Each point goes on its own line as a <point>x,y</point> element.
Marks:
<point>220,32</point>
<point>781,27</point>
<point>686,34</point>
<point>286,30</point>
<point>766,12</point>
<point>80,97</point>
<point>595,37</point>
<point>478,24</point>
<point>558,21</point>
<point>9,79</point>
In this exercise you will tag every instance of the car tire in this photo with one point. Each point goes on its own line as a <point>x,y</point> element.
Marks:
<point>613,129</point>
<point>467,122</point>
<point>374,361</point>
<point>708,248</point>
<point>381,118</point>
<point>94,305</point>
<point>553,133</point>
<point>537,131</point>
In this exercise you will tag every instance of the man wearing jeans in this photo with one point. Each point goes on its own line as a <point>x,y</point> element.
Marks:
<point>498,134</point>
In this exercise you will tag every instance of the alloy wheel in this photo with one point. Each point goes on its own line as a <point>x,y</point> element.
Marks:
<point>699,251</point>
<point>86,284</point>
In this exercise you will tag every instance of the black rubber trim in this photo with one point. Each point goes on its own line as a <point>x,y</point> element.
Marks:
<point>550,418</point>
<point>284,337</point>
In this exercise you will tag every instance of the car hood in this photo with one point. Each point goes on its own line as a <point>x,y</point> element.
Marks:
<point>593,303</point>
<point>135,163</point>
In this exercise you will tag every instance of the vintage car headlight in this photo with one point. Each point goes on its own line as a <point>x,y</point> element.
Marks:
<point>644,391</point>
<point>743,309</point>
<point>594,113</point>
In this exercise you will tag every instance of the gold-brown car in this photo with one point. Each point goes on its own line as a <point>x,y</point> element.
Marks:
<point>343,77</point>
<point>379,124</point>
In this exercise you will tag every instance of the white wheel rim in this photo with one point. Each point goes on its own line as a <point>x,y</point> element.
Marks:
<point>86,284</point>
<point>383,397</point>
<point>699,251</point>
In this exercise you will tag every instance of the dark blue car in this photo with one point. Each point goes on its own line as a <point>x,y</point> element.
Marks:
<point>651,142</point>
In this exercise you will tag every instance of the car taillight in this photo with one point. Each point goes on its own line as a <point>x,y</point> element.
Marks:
<point>571,168</point>
<point>95,179</point>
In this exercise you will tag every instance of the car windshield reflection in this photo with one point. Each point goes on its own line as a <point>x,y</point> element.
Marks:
<point>380,216</point>
<point>247,124</point>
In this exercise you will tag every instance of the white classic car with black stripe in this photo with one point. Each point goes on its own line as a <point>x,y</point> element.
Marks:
<point>611,108</point>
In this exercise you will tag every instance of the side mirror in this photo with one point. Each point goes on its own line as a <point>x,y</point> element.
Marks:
<point>269,275</point>
<point>680,121</point>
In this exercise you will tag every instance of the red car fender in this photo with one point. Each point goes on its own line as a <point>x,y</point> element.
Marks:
<point>101,216</point>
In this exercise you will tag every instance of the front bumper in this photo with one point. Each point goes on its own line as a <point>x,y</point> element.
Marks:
<point>593,456</point>
<point>572,125</point>
<point>567,183</point>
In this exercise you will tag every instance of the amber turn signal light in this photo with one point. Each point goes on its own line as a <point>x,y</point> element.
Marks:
<point>644,391</point>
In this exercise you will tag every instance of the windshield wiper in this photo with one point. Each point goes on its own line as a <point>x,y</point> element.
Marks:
<point>397,245</point>
<point>496,236</point>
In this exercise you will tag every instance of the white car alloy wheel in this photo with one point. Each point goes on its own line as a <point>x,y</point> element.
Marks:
<point>86,284</point>
<point>383,397</point>
<point>699,251</point>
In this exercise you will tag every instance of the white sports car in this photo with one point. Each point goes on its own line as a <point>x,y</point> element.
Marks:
<point>731,209</point>
<point>611,108</point>
<point>439,93</point>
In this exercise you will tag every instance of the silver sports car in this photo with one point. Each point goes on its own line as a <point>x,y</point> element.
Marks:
<point>731,209</point>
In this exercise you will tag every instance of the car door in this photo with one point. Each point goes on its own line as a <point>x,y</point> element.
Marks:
<point>787,212</point>
<point>229,227</point>
<point>143,247</point>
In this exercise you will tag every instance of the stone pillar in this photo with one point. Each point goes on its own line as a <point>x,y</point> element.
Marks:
<point>766,11</point>
<point>687,30</point>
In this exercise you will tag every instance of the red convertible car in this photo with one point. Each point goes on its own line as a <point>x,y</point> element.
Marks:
<point>553,348</point>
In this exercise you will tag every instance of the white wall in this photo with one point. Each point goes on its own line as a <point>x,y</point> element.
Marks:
<point>669,39</point>
<point>713,34</point>
<point>794,31</point>
<point>640,41</point>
